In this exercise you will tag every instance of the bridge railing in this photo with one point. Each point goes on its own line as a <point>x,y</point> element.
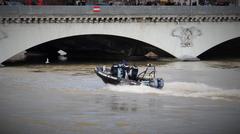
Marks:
<point>118,10</point>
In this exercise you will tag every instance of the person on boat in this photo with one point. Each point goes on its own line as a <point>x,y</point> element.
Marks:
<point>121,73</point>
<point>133,72</point>
<point>117,70</point>
<point>120,70</point>
<point>114,70</point>
<point>126,69</point>
<point>123,69</point>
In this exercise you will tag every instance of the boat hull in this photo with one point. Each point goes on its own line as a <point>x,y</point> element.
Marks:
<point>107,78</point>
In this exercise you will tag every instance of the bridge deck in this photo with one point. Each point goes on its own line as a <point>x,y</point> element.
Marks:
<point>117,10</point>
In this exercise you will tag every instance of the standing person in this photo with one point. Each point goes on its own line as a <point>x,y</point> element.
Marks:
<point>39,2</point>
<point>28,2</point>
<point>126,69</point>
<point>121,73</point>
<point>83,2</point>
<point>133,72</point>
<point>114,70</point>
<point>77,2</point>
<point>1,2</point>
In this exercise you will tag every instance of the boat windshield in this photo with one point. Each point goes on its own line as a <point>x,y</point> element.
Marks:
<point>148,73</point>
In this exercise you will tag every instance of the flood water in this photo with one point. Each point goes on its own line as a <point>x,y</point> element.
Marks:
<point>200,97</point>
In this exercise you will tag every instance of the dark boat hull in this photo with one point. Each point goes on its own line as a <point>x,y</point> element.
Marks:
<point>107,78</point>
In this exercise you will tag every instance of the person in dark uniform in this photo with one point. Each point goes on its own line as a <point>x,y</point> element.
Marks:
<point>133,72</point>
<point>114,70</point>
<point>126,69</point>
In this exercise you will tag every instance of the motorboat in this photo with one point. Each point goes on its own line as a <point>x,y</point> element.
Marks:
<point>120,74</point>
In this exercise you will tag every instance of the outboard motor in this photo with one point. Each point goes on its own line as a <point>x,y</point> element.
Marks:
<point>157,83</point>
<point>160,82</point>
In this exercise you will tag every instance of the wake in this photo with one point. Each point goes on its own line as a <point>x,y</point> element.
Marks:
<point>182,89</point>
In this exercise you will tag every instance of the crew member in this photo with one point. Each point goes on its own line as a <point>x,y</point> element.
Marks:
<point>133,72</point>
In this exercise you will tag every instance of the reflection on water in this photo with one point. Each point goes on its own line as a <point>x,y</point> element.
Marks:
<point>77,70</point>
<point>116,106</point>
<point>225,64</point>
<point>198,97</point>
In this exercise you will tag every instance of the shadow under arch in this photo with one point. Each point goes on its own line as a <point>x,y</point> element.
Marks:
<point>94,47</point>
<point>225,50</point>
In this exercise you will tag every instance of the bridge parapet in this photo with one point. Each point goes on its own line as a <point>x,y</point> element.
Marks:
<point>117,19</point>
<point>117,14</point>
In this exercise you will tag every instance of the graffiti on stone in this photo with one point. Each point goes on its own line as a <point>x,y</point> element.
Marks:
<point>186,35</point>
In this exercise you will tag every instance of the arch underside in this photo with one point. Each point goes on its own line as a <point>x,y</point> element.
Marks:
<point>97,47</point>
<point>226,49</point>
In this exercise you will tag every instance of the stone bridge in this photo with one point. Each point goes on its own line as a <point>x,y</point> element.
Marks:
<point>184,32</point>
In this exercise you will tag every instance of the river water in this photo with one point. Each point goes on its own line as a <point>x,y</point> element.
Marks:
<point>200,97</point>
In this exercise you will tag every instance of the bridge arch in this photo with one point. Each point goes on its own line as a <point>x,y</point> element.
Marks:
<point>19,37</point>
<point>15,38</point>
<point>226,49</point>
<point>71,44</point>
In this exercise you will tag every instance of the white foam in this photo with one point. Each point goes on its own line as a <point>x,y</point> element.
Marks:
<point>182,89</point>
<point>133,89</point>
